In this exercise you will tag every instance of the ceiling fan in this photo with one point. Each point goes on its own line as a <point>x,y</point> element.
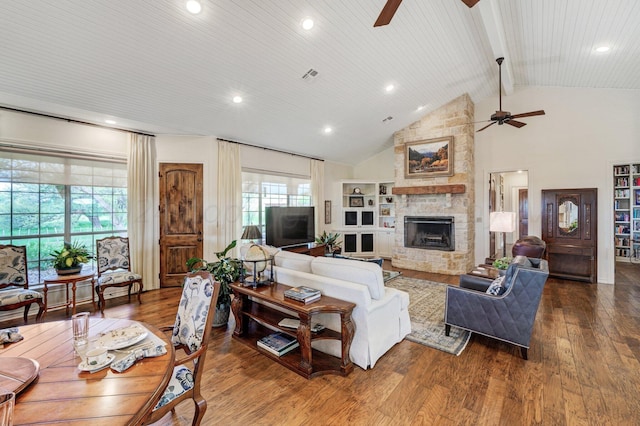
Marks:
<point>504,117</point>
<point>390,8</point>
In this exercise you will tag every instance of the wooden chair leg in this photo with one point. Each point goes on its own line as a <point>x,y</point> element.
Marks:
<point>40,312</point>
<point>524,352</point>
<point>101,302</point>
<point>140,287</point>
<point>201,407</point>
<point>26,312</point>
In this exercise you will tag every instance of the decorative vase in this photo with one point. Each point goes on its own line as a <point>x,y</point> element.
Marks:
<point>69,271</point>
<point>221,316</point>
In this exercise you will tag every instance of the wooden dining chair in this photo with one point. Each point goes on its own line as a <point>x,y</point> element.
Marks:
<point>191,334</point>
<point>14,282</point>
<point>114,268</point>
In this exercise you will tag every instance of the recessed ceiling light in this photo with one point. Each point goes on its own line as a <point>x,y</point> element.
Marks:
<point>602,49</point>
<point>194,6</point>
<point>307,23</point>
<point>328,129</point>
<point>110,121</point>
<point>389,88</point>
<point>237,99</point>
<point>420,108</point>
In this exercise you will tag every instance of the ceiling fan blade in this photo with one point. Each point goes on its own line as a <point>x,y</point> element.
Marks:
<point>528,114</point>
<point>387,13</point>
<point>470,3</point>
<point>488,125</point>
<point>515,123</point>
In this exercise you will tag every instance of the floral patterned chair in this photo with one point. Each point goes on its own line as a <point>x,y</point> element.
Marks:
<point>191,334</point>
<point>114,268</point>
<point>14,282</point>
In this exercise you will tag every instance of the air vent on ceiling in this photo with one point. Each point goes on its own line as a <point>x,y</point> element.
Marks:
<point>310,75</point>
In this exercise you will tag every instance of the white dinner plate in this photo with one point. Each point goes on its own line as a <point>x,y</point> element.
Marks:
<point>122,337</point>
<point>92,368</point>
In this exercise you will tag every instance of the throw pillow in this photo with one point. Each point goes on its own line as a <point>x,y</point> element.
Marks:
<point>496,288</point>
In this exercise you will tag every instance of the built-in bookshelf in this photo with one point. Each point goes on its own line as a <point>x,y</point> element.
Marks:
<point>626,210</point>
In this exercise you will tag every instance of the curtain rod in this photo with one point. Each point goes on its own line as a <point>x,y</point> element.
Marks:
<point>270,149</point>
<point>72,120</point>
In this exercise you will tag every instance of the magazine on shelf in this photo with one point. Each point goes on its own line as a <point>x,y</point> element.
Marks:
<point>294,323</point>
<point>303,294</point>
<point>278,343</point>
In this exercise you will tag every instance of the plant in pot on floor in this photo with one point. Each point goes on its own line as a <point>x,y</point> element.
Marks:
<point>70,258</point>
<point>330,241</point>
<point>225,270</point>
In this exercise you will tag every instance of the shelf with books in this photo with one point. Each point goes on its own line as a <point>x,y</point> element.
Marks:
<point>626,206</point>
<point>259,311</point>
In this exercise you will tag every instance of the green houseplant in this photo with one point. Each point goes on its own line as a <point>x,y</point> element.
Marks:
<point>70,258</point>
<point>225,270</point>
<point>330,241</point>
<point>502,264</point>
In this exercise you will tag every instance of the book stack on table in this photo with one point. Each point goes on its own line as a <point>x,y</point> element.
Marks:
<point>278,343</point>
<point>303,294</point>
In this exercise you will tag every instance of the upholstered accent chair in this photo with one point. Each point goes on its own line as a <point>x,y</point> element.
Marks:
<point>114,268</point>
<point>510,314</point>
<point>14,282</point>
<point>191,334</point>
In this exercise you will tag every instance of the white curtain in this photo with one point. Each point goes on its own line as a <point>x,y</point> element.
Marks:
<point>317,191</point>
<point>229,195</point>
<point>141,178</point>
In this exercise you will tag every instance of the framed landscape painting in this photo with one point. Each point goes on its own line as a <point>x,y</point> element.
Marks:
<point>429,158</point>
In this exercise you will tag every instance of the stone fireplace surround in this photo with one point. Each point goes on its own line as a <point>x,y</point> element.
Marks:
<point>451,196</point>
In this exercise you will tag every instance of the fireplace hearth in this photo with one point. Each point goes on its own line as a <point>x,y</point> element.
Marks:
<point>429,232</point>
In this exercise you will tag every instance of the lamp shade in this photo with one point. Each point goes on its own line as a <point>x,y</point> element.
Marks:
<point>251,232</point>
<point>502,221</point>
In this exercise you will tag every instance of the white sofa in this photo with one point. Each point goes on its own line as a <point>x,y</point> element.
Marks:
<point>381,315</point>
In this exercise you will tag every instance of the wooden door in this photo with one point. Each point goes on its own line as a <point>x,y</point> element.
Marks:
<point>523,212</point>
<point>569,227</point>
<point>180,220</point>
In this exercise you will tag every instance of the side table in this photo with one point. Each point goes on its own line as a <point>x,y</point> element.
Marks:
<point>65,280</point>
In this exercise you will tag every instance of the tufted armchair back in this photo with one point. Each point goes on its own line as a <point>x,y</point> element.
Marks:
<point>113,253</point>
<point>13,266</point>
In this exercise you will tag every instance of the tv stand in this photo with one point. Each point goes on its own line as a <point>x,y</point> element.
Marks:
<point>310,249</point>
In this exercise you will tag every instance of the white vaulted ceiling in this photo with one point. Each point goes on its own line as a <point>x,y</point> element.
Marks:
<point>152,66</point>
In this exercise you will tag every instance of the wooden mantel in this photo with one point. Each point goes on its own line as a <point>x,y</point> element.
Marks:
<point>429,189</point>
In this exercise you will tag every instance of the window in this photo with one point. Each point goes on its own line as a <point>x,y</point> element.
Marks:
<point>261,190</point>
<point>47,200</point>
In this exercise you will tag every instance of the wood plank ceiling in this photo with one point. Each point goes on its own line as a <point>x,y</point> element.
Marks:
<point>151,65</point>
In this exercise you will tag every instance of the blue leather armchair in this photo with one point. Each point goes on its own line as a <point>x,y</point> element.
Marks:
<point>508,317</point>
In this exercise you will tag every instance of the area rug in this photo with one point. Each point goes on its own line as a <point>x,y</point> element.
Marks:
<point>426,310</point>
<point>389,275</point>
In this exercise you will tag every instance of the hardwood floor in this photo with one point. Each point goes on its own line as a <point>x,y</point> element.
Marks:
<point>583,368</point>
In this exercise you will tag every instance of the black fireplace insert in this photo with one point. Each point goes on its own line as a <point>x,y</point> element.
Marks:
<point>429,232</point>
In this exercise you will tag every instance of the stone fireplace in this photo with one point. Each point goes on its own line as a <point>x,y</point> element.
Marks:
<point>439,197</point>
<point>429,232</point>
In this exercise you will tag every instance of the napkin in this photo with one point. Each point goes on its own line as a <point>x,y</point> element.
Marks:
<point>10,335</point>
<point>124,363</point>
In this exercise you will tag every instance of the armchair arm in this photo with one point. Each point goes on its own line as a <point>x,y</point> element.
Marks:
<point>475,282</point>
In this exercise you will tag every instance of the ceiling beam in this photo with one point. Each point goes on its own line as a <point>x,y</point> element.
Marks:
<point>492,20</point>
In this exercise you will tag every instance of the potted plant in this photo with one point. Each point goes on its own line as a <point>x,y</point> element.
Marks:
<point>225,270</point>
<point>330,242</point>
<point>70,258</point>
<point>502,264</point>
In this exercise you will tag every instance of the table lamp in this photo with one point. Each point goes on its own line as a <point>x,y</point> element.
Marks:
<point>252,232</point>
<point>502,222</point>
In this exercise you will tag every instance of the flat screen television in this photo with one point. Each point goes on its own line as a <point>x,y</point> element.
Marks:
<point>289,226</point>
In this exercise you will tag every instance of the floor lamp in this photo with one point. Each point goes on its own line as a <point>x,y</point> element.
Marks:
<point>502,222</point>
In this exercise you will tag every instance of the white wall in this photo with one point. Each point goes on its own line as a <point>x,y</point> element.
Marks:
<point>584,132</point>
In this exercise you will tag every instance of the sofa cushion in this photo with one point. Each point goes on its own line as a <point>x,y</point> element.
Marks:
<point>363,273</point>
<point>496,288</point>
<point>295,261</point>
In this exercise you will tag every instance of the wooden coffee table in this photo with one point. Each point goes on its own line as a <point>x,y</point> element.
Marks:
<point>485,271</point>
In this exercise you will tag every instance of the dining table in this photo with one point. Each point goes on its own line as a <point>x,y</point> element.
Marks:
<point>61,391</point>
